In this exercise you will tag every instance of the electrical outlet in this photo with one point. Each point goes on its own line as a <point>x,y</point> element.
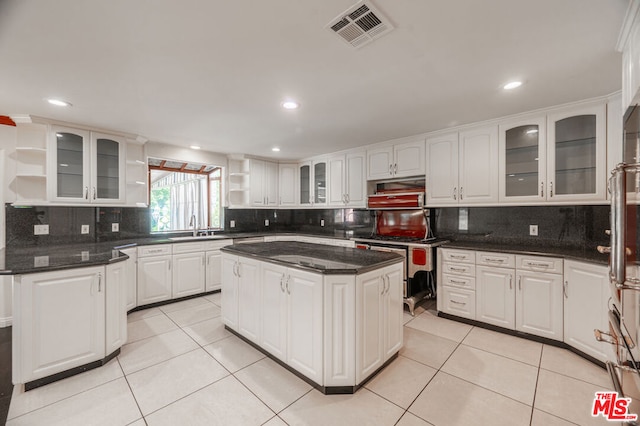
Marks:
<point>232,224</point>
<point>266,222</point>
<point>533,230</point>
<point>84,229</point>
<point>84,255</point>
<point>321,222</point>
<point>40,261</point>
<point>40,229</point>
<point>115,227</point>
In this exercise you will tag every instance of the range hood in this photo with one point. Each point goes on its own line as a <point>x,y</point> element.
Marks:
<point>396,199</point>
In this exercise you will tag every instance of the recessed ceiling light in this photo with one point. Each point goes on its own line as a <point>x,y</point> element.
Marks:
<point>512,85</point>
<point>58,102</point>
<point>194,147</point>
<point>275,149</point>
<point>290,105</point>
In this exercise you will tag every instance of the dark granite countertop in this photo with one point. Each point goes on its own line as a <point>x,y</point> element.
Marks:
<point>581,254</point>
<point>316,257</point>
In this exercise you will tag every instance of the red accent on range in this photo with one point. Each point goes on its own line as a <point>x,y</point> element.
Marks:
<point>419,256</point>
<point>401,223</point>
<point>7,121</point>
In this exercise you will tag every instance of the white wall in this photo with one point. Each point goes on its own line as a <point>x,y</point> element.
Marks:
<point>7,167</point>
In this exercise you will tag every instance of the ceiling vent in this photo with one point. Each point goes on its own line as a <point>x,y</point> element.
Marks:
<point>360,24</point>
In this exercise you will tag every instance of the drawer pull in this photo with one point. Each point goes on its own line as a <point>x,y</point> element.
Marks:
<point>457,269</point>
<point>494,260</point>
<point>459,256</point>
<point>537,264</point>
<point>457,282</point>
<point>457,303</point>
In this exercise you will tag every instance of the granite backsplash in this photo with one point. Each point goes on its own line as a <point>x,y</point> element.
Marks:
<point>558,226</point>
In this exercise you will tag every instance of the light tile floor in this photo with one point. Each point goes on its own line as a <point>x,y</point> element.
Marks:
<point>182,367</point>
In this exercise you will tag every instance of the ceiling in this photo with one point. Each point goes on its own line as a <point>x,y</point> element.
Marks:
<point>214,73</point>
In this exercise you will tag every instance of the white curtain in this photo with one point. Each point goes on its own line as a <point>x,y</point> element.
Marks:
<point>187,199</point>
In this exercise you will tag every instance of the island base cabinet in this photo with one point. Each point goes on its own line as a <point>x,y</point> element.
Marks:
<point>229,298</point>
<point>116,306</point>
<point>59,322</point>
<point>273,333</point>
<point>339,330</point>
<point>248,289</point>
<point>304,321</point>
<point>213,275</point>
<point>131,277</point>
<point>378,319</point>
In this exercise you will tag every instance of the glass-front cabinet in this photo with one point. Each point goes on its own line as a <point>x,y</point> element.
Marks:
<point>313,182</point>
<point>522,160</point>
<point>576,157</point>
<point>558,158</point>
<point>86,167</point>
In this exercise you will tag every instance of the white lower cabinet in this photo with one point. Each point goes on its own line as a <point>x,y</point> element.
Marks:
<point>495,296</point>
<point>188,274</point>
<point>456,282</point>
<point>116,282</point>
<point>59,321</point>
<point>586,294</point>
<point>539,304</point>
<point>131,267</point>
<point>154,279</point>
<point>213,255</point>
<point>457,301</point>
<point>378,319</point>
<point>312,321</point>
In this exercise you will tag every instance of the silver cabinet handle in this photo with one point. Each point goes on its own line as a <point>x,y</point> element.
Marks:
<point>565,289</point>
<point>551,189</point>
<point>288,289</point>
<point>86,192</point>
<point>510,281</point>
<point>384,285</point>
<point>94,192</point>
<point>169,264</point>
<point>493,260</point>
<point>541,189</point>
<point>458,269</point>
<point>457,303</point>
<point>455,193</point>
<point>395,169</point>
<point>282,283</point>
<point>391,169</point>
<point>461,193</point>
<point>537,264</point>
<point>458,256</point>
<point>99,283</point>
<point>458,282</point>
<point>388,284</point>
<point>520,283</point>
<point>239,270</point>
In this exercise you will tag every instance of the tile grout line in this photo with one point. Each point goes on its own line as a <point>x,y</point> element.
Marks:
<point>535,389</point>
<point>133,395</point>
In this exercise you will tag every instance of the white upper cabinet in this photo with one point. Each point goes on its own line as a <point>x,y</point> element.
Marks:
<point>463,168</point>
<point>287,184</point>
<point>522,162</point>
<point>397,160</point>
<point>85,167</point>
<point>313,182</point>
<point>576,154</point>
<point>264,183</point>
<point>629,45</point>
<point>347,185</point>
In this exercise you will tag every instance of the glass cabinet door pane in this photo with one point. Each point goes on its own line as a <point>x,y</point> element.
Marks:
<point>521,157</point>
<point>631,150</point>
<point>70,167</point>
<point>305,184</point>
<point>320,182</point>
<point>108,172</point>
<point>575,149</point>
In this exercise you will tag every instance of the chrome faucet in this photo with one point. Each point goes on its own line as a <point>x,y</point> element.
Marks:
<point>192,222</point>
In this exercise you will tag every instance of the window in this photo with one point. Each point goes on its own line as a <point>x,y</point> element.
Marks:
<point>184,195</point>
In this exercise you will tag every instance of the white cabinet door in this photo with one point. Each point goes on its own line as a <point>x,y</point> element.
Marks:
<point>380,163</point>
<point>355,180</point>
<point>249,298</point>
<point>131,277</point>
<point>478,166</point>
<point>287,183</point>
<point>188,274</point>
<point>69,165</point>
<point>273,336</point>
<point>457,301</point>
<point>229,299</point>
<point>442,170</point>
<point>107,169</point>
<point>304,340</point>
<point>213,274</point>
<point>522,161</point>
<point>495,296</point>
<point>256,180</point>
<point>586,295</point>
<point>154,279</point>
<point>115,306</point>
<point>409,159</point>
<point>58,321</point>
<point>271,183</point>
<point>576,154</point>
<point>337,170</point>
<point>393,308</point>
<point>369,317</point>
<point>539,304</point>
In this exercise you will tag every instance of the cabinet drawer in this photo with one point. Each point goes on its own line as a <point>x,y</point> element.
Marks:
<point>157,250</point>
<point>539,264</point>
<point>459,302</point>
<point>461,256</point>
<point>191,247</point>
<point>502,260</point>
<point>459,269</point>
<point>217,244</point>
<point>459,281</point>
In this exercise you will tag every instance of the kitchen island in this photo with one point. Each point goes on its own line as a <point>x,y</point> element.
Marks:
<point>333,315</point>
